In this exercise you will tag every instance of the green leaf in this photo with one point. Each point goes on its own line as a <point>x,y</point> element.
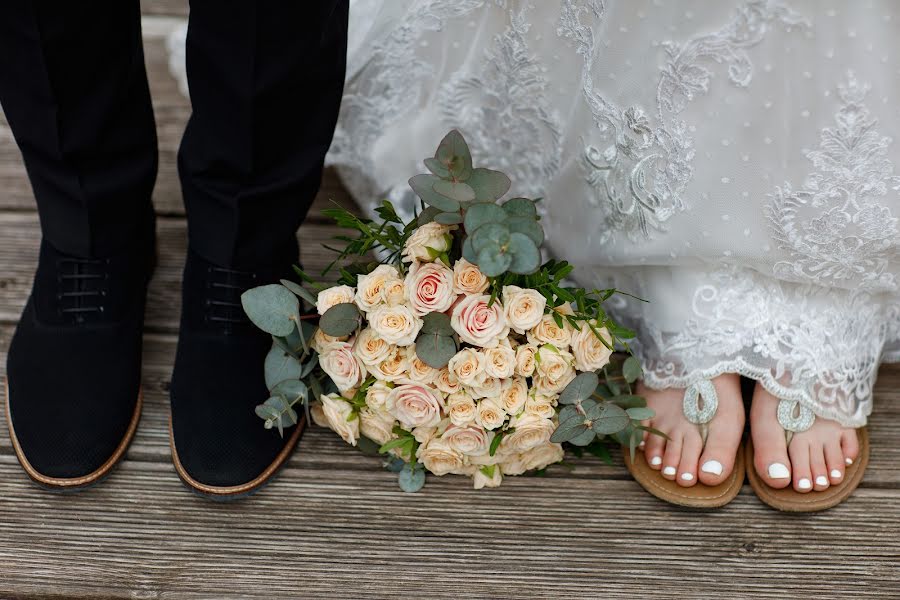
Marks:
<point>488,185</point>
<point>631,369</point>
<point>569,428</point>
<point>639,413</point>
<point>526,258</point>
<point>423,186</point>
<point>493,262</point>
<point>299,290</point>
<point>584,438</point>
<point>520,207</point>
<point>459,191</point>
<point>592,409</point>
<point>489,234</point>
<point>279,366</point>
<point>272,308</point>
<point>567,412</point>
<point>436,167</point>
<point>453,153</point>
<point>629,401</point>
<point>309,365</point>
<point>411,479</point>
<point>527,226</point>
<point>449,218</point>
<point>481,213</point>
<point>435,322</point>
<point>293,390</point>
<point>600,451</point>
<point>427,216</point>
<point>367,446</point>
<point>394,464</point>
<point>468,251</point>
<point>580,388</point>
<point>495,443</point>
<point>435,349</point>
<point>653,431</point>
<point>611,420</point>
<point>340,320</point>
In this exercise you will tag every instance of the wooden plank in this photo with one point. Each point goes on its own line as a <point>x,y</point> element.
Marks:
<point>172,110</point>
<point>19,244</point>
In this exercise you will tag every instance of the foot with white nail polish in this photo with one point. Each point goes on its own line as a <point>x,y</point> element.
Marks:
<point>684,458</point>
<point>814,460</point>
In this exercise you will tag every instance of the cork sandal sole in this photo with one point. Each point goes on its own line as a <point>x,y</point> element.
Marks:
<point>790,500</point>
<point>696,496</point>
<point>236,492</point>
<point>72,484</point>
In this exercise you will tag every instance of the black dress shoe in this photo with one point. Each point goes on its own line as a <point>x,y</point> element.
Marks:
<point>73,386</point>
<point>219,446</point>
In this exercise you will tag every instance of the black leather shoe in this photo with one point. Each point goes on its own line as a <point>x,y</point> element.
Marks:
<point>219,446</point>
<point>73,387</point>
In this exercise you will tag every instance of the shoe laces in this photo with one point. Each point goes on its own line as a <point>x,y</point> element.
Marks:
<point>82,285</point>
<point>224,288</point>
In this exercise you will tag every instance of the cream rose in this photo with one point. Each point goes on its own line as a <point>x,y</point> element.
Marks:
<point>461,409</point>
<point>376,425</point>
<point>439,458</point>
<point>524,307</point>
<point>542,456</point>
<point>322,341</point>
<point>318,414</point>
<point>467,366</point>
<point>447,381</point>
<point>370,348</point>
<point>377,395</point>
<point>371,288</point>
<point>512,464</point>
<point>394,367</point>
<point>427,241</point>
<point>424,434</point>
<point>429,287</point>
<point>395,324</point>
<point>480,480</point>
<point>337,411</point>
<point>343,366</point>
<point>525,360</point>
<point>477,323</point>
<point>530,432</point>
<point>554,370</point>
<point>489,388</point>
<point>548,332</point>
<point>540,406</point>
<point>590,353</point>
<point>513,395</point>
<point>469,441</point>
<point>415,405</point>
<point>468,278</point>
<point>395,292</point>
<point>339,294</point>
<point>419,371</point>
<point>500,361</point>
<point>489,414</point>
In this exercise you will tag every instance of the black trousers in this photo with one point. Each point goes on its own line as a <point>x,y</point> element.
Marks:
<point>266,79</point>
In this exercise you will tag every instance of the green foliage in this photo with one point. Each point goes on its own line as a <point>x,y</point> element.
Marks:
<point>437,342</point>
<point>412,477</point>
<point>340,320</point>
<point>280,366</point>
<point>272,308</point>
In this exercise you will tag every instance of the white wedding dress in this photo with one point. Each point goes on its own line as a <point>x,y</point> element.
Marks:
<point>733,162</point>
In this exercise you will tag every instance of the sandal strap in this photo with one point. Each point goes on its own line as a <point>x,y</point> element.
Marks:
<point>794,417</point>
<point>694,412</point>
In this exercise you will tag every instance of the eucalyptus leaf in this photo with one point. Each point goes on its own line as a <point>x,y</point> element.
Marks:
<point>455,190</point>
<point>449,218</point>
<point>488,184</point>
<point>435,349</point>
<point>272,308</point>
<point>629,401</point>
<point>436,167</point>
<point>394,464</point>
<point>435,322</point>
<point>468,251</point>
<point>584,438</point>
<point>567,412</point>
<point>490,234</point>
<point>340,320</point>
<point>279,366</point>
<point>423,186</point>
<point>580,388</point>
<point>520,207</point>
<point>367,446</point>
<point>631,369</point>
<point>527,226</point>
<point>481,213</point>
<point>309,365</point>
<point>411,479</point>
<point>453,153</point>
<point>526,258</point>
<point>293,390</point>
<point>624,436</point>
<point>493,262</point>
<point>428,215</point>
<point>612,419</point>
<point>569,428</point>
<point>299,290</point>
<point>640,413</point>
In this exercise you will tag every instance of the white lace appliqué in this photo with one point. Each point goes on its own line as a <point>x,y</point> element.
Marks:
<point>835,227</point>
<point>639,178</point>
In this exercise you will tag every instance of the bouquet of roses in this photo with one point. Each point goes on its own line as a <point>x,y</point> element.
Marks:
<point>461,351</point>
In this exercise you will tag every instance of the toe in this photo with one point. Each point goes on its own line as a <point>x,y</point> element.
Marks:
<point>672,456</point>
<point>850,446</point>
<point>717,460</point>
<point>817,467</point>
<point>654,448</point>
<point>770,457</point>
<point>691,447</point>
<point>834,462</point>
<point>801,471</point>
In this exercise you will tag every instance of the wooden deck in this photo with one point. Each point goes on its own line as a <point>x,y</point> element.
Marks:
<point>335,525</point>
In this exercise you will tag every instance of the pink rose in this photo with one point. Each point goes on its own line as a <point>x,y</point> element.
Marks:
<point>429,287</point>
<point>415,405</point>
<point>344,367</point>
<point>477,323</point>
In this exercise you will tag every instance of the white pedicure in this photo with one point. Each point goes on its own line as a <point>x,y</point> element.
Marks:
<point>779,471</point>
<point>849,461</point>
<point>656,461</point>
<point>687,476</point>
<point>835,474</point>
<point>804,484</point>
<point>669,471</point>
<point>821,480</point>
<point>712,466</point>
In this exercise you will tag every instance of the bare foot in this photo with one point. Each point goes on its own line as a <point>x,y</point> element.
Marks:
<point>683,457</point>
<point>815,459</point>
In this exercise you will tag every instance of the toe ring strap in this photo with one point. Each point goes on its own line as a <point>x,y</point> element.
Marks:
<point>697,413</point>
<point>794,417</point>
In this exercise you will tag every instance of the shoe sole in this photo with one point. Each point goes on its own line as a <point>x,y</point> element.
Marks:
<point>790,500</point>
<point>73,484</point>
<point>235,492</point>
<point>698,495</point>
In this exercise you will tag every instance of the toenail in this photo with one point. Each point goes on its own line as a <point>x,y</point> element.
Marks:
<point>641,445</point>
<point>849,461</point>
<point>656,461</point>
<point>687,476</point>
<point>669,471</point>
<point>821,480</point>
<point>804,484</point>
<point>712,466</point>
<point>778,471</point>
<point>835,474</point>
